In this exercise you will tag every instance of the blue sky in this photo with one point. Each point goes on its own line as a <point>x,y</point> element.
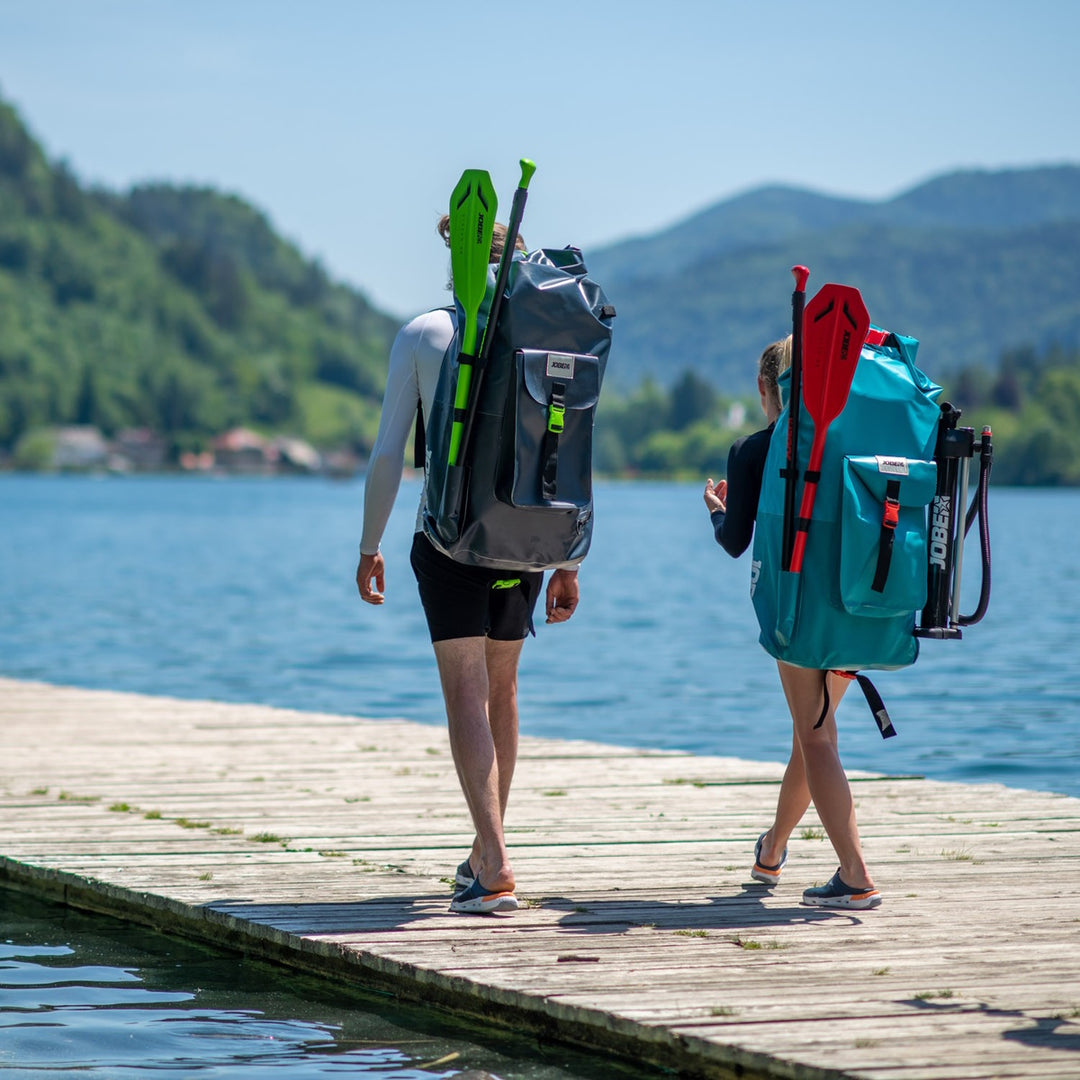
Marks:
<point>348,123</point>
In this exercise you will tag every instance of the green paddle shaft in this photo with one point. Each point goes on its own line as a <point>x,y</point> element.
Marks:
<point>517,210</point>
<point>502,275</point>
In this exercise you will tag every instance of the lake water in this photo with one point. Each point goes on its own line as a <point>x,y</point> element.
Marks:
<point>243,590</point>
<point>108,1000</point>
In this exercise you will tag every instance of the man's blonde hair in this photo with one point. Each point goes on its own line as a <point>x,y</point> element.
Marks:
<point>498,237</point>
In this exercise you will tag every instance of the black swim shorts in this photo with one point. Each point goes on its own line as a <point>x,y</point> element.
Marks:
<point>473,601</point>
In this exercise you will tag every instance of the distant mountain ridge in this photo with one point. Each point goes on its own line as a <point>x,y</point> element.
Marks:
<point>181,310</point>
<point>971,263</point>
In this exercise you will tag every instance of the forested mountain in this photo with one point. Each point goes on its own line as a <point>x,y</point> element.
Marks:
<point>973,264</point>
<point>182,311</point>
<point>177,309</point>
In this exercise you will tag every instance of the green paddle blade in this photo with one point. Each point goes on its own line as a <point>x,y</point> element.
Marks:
<point>472,221</point>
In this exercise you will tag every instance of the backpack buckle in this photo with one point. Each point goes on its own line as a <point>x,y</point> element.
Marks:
<point>891,517</point>
<point>556,418</point>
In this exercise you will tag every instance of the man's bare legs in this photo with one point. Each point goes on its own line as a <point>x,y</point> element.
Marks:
<point>479,681</point>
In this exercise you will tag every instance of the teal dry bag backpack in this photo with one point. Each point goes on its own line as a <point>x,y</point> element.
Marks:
<point>863,578</point>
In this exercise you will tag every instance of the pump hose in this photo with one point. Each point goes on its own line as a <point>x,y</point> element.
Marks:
<point>980,506</point>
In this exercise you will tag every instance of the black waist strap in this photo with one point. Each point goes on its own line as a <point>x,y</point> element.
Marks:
<point>873,699</point>
<point>877,707</point>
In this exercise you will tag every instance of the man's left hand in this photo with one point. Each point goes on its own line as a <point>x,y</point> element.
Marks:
<point>562,595</point>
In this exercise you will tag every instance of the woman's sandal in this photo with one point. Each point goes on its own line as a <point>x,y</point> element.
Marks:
<point>769,875</point>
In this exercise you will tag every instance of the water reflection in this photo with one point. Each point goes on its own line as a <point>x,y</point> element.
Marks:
<point>115,1001</point>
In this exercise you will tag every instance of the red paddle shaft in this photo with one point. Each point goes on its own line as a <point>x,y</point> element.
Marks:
<point>791,473</point>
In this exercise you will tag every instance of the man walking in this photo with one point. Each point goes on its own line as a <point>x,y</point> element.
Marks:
<point>478,618</point>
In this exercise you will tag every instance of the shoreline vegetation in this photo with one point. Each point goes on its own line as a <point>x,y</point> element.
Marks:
<point>172,328</point>
<point>1031,402</point>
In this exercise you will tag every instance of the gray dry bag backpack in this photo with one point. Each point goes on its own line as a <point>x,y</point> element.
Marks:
<point>525,499</point>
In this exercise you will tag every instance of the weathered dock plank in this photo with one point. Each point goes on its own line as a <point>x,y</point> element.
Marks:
<point>328,842</point>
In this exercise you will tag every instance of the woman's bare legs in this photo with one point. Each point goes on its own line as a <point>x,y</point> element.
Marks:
<point>814,773</point>
<point>791,805</point>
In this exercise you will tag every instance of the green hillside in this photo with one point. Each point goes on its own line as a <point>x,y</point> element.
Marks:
<point>180,310</point>
<point>973,264</point>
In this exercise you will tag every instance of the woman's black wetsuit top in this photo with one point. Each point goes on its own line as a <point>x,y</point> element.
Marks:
<point>746,464</point>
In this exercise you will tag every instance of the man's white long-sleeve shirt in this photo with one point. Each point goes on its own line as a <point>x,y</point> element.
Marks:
<point>415,360</point>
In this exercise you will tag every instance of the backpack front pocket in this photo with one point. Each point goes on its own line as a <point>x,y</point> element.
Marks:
<point>883,534</point>
<point>547,449</point>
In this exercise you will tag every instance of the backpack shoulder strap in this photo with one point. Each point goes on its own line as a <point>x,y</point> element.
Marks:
<point>419,435</point>
<point>419,441</point>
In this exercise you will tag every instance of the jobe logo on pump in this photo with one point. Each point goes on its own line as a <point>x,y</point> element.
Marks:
<point>940,527</point>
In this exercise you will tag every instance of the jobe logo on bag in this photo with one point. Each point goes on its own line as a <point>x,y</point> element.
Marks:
<point>560,366</point>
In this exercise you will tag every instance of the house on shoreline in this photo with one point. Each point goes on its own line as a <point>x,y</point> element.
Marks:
<point>239,451</point>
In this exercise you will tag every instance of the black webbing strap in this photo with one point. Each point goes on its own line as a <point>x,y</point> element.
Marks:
<point>890,517</point>
<point>550,451</point>
<point>877,707</point>
<point>824,704</point>
<point>873,699</point>
<point>811,476</point>
<point>419,445</point>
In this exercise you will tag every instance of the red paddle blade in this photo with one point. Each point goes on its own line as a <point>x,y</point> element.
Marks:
<point>835,323</point>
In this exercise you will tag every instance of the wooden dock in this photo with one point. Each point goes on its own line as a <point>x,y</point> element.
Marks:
<point>328,842</point>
